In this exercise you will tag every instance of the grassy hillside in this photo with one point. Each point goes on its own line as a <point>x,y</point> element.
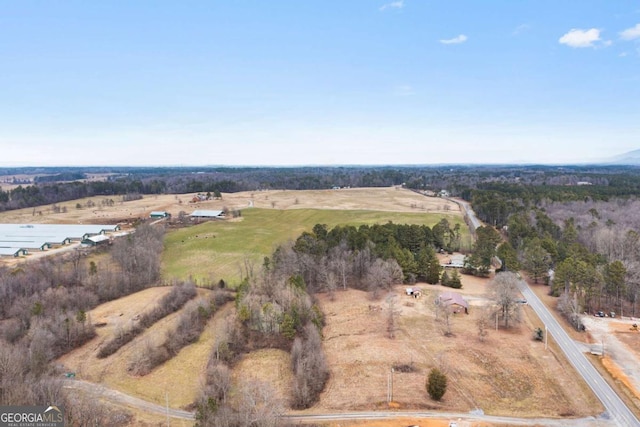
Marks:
<point>217,249</point>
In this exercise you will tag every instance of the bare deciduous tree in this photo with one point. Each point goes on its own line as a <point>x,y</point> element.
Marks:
<point>482,322</point>
<point>392,315</point>
<point>309,368</point>
<point>443,316</point>
<point>504,292</point>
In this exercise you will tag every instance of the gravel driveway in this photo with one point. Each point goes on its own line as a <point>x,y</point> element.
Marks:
<point>619,352</point>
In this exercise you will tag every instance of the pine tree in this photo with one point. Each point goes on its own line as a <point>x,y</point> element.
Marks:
<point>454,280</point>
<point>445,280</point>
<point>436,384</point>
<point>434,268</point>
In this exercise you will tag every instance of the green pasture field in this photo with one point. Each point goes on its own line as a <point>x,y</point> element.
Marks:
<point>216,250</point>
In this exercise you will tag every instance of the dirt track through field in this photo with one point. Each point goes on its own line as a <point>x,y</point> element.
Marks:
<point>100,392</point>
<point>114,396</point>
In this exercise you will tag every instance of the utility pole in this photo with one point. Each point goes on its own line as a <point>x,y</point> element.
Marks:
<point>166,396</point>
<point>546,339</point>
<point>391,400</point>
<point>389,387</point>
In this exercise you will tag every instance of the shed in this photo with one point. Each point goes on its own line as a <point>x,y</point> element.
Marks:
<point>454,301</point>
<point>454,261</point>
<point>159,214</point>
<point>414,292</point>
<point>96,240</point>
<point>206,214</point>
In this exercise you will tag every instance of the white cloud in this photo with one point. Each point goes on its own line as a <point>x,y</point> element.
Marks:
<point>580,38</point>
<point>393,5</point>
<point>456,40</point>
<point>521,29</point>
<point>623,54</point>
<point>631,33</point>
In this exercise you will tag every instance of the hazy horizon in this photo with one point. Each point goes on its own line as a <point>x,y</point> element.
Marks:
<point>368,83</point>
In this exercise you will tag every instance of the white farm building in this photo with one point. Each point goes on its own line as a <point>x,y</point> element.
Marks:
<point>18,239</point>
<point>207,214</point>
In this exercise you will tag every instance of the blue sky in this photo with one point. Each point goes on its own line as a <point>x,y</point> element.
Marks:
<point>317,82</point>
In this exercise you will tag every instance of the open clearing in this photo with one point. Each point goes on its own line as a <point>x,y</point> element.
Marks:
<point>508,374</point>
<point>392,199</point>
<point>216,250</point>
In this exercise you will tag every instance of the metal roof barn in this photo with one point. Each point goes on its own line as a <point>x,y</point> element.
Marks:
<point>96,240</point>
<point>160,214</point>
<point>200,213</point>
<point>43,236</point>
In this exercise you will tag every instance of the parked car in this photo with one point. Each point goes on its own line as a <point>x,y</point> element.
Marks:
<point>599,314</point>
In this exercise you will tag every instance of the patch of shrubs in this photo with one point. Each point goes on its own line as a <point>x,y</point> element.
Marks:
<point>190,325</point>
<point>309,368</point>
<point>405,367</point>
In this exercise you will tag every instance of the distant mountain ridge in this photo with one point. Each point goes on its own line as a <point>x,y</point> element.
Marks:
<point>628,158</point>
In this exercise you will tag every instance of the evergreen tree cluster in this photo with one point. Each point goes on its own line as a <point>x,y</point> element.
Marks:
<point>413,247</point>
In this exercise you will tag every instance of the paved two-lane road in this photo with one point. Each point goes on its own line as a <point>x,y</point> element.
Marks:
<point>466,206</point>
<point>615,408</point>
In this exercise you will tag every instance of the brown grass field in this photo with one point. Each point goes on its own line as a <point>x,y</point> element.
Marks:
<point>508,374</point>
<point>178,379</point>
<point>392,199</point>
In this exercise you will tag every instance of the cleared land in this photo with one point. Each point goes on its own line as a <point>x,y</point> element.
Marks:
<point>218,249</point>
<point>508,374</point>
<point>392,199</point>
<point>215,250</point>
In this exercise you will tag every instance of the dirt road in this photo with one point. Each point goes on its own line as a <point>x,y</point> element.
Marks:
<point>120,398</point>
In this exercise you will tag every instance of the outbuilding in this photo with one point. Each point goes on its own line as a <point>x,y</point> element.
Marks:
<point>207,214</point>
<point>454,261</point>
<point>454,301</point>
<point>159,215</point>
<point>414,292</point>
<point>98,239</point>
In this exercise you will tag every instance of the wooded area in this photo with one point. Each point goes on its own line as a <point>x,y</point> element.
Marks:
<point>43,314</point>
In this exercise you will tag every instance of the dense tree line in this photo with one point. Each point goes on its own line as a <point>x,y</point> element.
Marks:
<point>588,251</point>
<point>494,203</point>
<point>495,190</point>
<point>369,257</point>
